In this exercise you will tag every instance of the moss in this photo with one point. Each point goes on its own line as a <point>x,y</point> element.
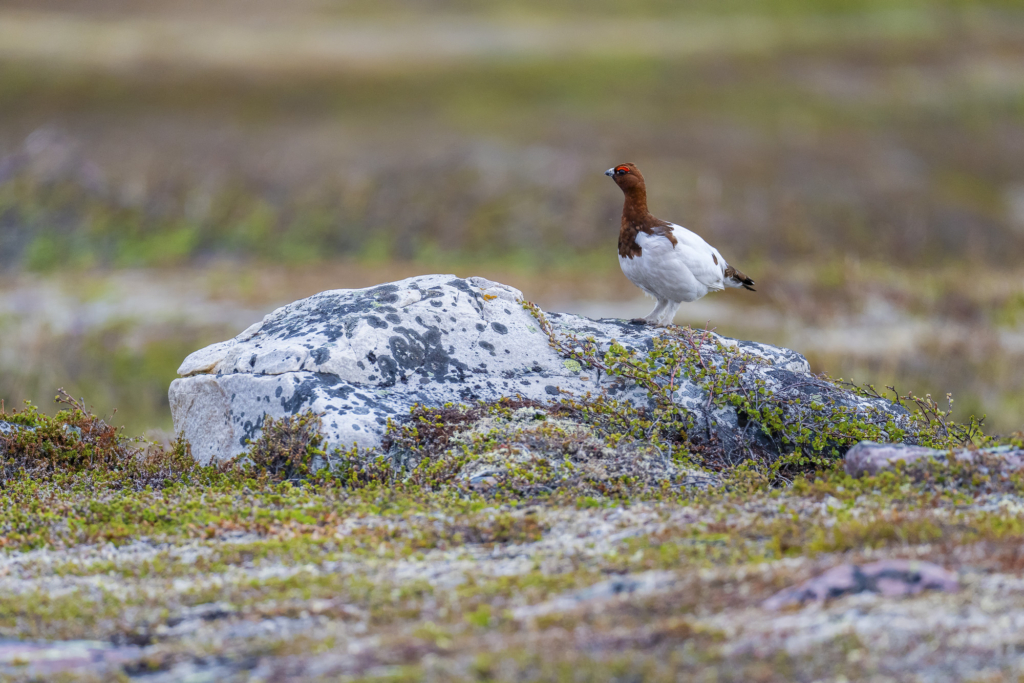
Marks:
<point>516,448</point>
<point>399,547</point>
<point>812,432</point>
<point>572,366</point>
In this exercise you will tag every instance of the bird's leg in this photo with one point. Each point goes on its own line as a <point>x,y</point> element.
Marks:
<point>669,314</point>
<point>654,316</point>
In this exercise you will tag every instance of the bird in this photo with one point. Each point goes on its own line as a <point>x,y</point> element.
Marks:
<point>665,260</point>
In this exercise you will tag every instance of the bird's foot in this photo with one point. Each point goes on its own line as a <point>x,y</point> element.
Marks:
<point>639,321</point>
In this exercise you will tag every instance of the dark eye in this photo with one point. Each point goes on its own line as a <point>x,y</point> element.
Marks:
<point>621,171</point>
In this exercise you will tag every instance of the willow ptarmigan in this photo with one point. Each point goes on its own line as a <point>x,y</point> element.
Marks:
<point>666,261</point>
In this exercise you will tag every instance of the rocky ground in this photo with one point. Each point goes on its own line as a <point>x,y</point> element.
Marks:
<point>575,560</point>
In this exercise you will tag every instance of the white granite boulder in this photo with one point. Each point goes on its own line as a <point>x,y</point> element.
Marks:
<point>362,356</point>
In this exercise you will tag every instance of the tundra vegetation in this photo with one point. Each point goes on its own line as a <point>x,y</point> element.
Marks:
<point>581,540</point>
<point>862,158</point>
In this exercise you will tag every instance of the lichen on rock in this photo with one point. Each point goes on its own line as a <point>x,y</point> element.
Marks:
<point>362,358</point>
<point>528,448</point>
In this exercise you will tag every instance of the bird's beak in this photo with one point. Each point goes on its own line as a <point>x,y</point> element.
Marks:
<point>610,172</point>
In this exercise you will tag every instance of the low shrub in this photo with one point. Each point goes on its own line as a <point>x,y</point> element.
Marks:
<point>74,441</point>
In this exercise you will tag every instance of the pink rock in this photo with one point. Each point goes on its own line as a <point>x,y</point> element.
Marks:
<point>868,458</point>
<point>891,578</point>
<point>47,658</point>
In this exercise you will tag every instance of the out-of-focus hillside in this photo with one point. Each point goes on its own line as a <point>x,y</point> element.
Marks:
<point>864,160</point>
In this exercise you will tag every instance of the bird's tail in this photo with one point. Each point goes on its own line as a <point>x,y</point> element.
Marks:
<point>734,278</point>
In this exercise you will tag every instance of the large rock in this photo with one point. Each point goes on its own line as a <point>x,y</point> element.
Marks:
<point>363,356</point>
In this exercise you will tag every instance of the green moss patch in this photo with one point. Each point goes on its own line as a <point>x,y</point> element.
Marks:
<point>506,542</point>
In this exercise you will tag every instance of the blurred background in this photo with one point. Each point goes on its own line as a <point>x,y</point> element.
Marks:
<point>171,170</point>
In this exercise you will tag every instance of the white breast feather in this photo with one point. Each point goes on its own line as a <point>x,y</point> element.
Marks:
<point>685,271</point>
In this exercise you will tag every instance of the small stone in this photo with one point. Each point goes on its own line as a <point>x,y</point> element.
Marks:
<point>869,458</point>
<point>890,578</point>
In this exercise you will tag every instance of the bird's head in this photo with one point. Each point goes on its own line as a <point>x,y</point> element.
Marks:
<point>626,176</point>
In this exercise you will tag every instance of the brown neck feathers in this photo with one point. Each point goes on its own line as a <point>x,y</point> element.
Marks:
<point>636,219</point>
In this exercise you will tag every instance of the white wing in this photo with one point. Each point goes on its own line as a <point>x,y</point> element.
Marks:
<point>702,260</point>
